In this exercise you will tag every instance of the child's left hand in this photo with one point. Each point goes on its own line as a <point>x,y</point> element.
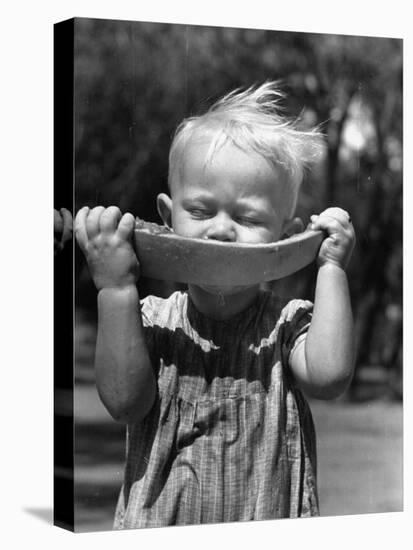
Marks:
<point>338,246</point>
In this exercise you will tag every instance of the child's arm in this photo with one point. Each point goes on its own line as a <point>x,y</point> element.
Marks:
<point>323,362</point>
<point>124,375</point>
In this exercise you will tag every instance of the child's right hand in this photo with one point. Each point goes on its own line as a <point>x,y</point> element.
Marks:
<point>105,237</point>
<point>63,228</point>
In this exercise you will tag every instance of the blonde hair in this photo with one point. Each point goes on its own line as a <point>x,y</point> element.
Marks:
<point>251,120</point>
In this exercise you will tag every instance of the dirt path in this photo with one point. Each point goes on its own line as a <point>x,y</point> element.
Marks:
<point>359,457</point>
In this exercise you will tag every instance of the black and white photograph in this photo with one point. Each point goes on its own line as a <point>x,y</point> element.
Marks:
<point>237,223</point>
<point>205,239</point>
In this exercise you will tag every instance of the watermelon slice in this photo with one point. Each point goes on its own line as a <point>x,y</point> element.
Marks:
<point>170,257</point>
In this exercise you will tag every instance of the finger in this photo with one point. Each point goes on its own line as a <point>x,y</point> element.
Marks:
<point>80,227</point>
<point>126,225</point>
<point>67,224</point>
<point>336,234</point>
<point>92,221</point>
<point>67,218</point>
<point>338,214</point>
<point>327,223</point>
<point>58,222</point>
<point>109,219</point>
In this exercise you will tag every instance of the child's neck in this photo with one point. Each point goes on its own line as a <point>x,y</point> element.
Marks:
<point>222,306</point>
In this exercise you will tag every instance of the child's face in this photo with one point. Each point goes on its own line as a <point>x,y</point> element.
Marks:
<point>238,197</point>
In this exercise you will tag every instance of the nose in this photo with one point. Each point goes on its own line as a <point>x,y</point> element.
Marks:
<point>221,229</point>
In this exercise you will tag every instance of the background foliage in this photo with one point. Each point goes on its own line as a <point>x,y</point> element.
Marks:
<point>134,83</point>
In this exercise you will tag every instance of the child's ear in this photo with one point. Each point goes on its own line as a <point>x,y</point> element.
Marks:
<point>291,227</point>
<point>164,204</point>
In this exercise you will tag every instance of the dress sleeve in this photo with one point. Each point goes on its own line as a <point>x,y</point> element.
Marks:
<point>295,321</point>
<point>149,308</point>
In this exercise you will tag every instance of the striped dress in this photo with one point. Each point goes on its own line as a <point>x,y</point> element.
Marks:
<point>229,437</point>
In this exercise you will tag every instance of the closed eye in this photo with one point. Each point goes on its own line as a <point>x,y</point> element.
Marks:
<point>200,213</point>
<point>245,220</point>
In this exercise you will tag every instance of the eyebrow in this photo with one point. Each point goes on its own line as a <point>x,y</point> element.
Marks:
<point>198,195</point>
<point>254,203</point>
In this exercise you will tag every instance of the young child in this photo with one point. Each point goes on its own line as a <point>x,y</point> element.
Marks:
<point>209,381</point>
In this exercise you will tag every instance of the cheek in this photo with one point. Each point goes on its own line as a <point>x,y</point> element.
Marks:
<point>275,235</point>
<point>275,232</point>
<point>178,217</point>
<point>259,235</point>
<point>183,225</point>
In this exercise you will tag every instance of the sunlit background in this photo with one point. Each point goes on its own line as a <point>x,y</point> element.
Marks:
<point>134,82</point>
